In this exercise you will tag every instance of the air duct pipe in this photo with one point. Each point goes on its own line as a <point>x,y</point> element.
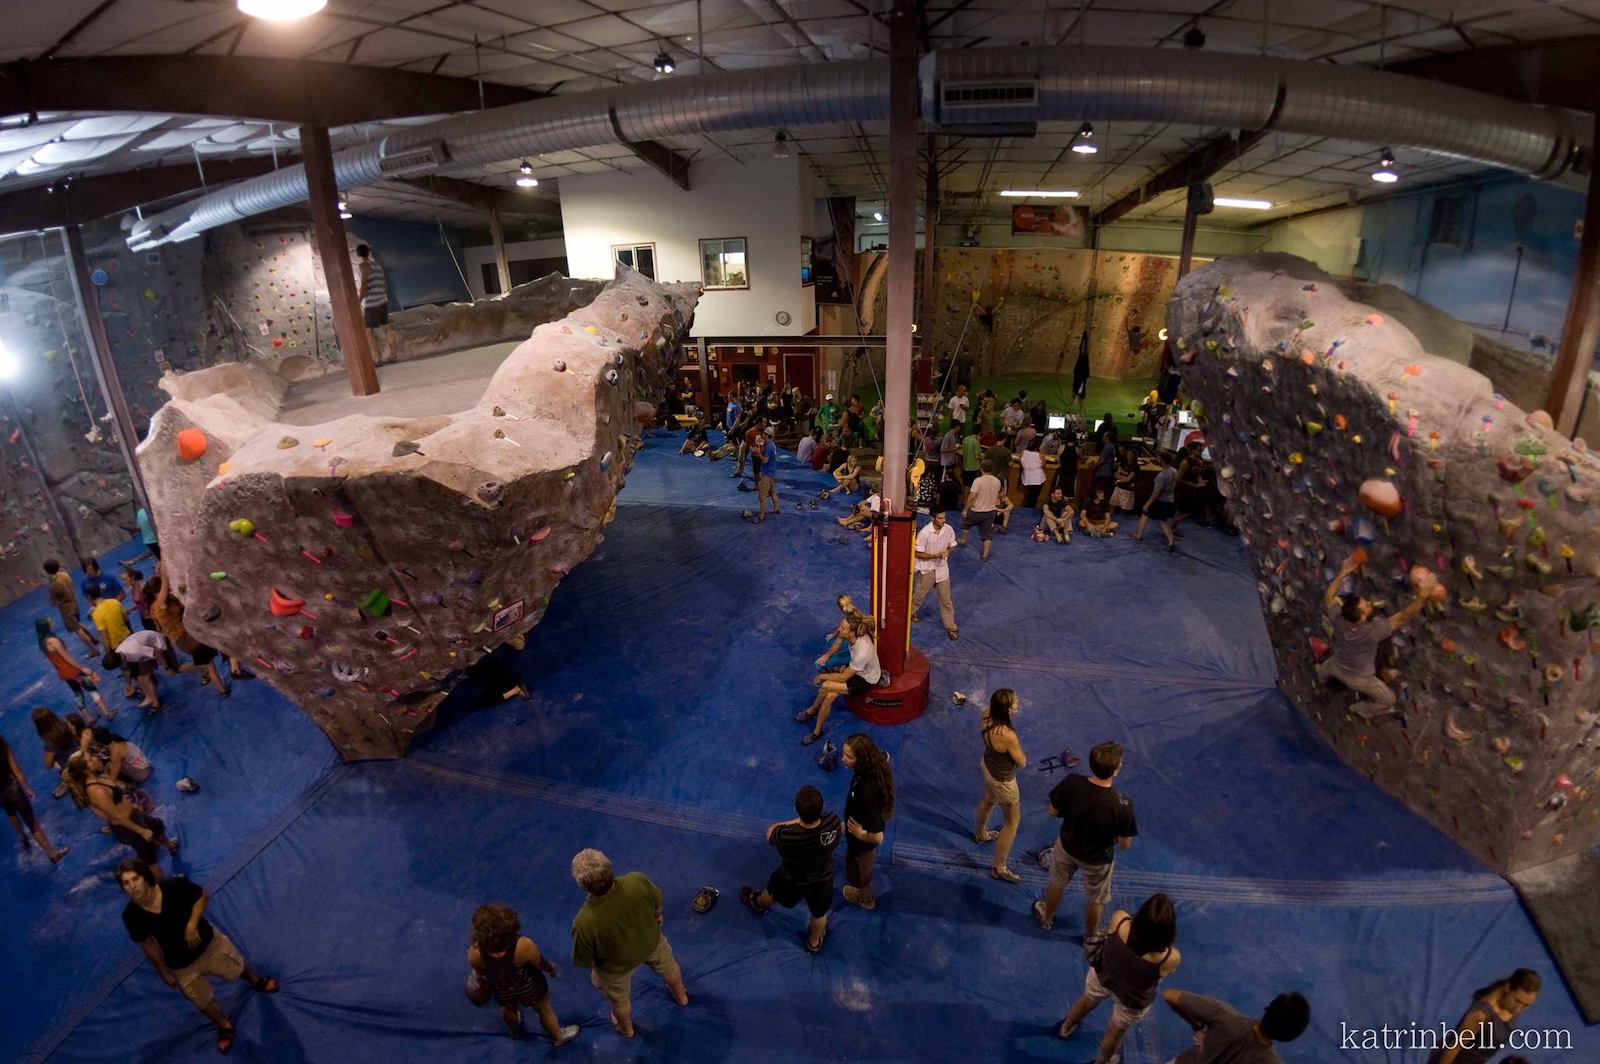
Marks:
<point>983,87</point>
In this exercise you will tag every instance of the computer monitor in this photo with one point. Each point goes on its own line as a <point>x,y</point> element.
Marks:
<point>1056,422</point>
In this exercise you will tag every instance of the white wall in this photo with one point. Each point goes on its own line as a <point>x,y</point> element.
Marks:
<point>758,200</point>
<point>1331,240</point>
<point>476,258</point>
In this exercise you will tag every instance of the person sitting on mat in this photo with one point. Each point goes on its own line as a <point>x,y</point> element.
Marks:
<point>618,929</point>
<point>1134,956</point>
<point>838,652</point>
<point>861,675</point>
<point>695,442</point>
<point>1491,1018</point>
<point>1095,518</point>
<point>513,971</point>
<point>805,848</point>
<point>1225,1034</point>
<point>167,919</point>
<point>1356,637</point>
<point>860,518</point>
<point>848,474</point>
<point>119,758</point>
<point>1057,516</point>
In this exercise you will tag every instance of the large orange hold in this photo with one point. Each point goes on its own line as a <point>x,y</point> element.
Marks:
<point>191,445</point>
<point>1381,497</point>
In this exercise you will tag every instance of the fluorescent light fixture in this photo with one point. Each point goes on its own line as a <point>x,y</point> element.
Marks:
<point>877,216</point>
<point>1247,204</point>
<point>1040,193</point>
<point>344,206</point>
<point>8,363</point>
<point>281,10</point>
<point>1084,143</point>
<point>1385,174</point>
<point>527,180</point>
<point>664,64</point>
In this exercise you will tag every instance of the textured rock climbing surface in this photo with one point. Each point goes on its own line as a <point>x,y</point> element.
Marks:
<point>1334,429</point>
<point>360,564</point>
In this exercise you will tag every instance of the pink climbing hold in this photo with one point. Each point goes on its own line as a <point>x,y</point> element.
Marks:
<point>540,536</point>
<point>344,520</point>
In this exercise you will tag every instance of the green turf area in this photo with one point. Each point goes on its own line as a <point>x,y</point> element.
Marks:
<point>1119,397</point>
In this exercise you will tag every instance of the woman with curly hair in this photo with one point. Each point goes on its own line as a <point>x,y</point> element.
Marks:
<point>513,971</point>
<point>867,808</point>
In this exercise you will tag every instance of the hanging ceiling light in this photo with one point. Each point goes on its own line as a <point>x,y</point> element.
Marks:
<point>664,64</point>
<point>344,205</point>
<point>1195,39</point>
<point>526,178</point>
<point>1084,143</point>
<point>281,10</point>
<point>1386,174</point>
<point>877,216</point>
<point>780,145</point>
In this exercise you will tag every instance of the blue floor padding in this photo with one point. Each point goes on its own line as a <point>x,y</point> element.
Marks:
<point>665,677</point>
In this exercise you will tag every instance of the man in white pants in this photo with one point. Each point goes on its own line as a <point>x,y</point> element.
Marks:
<point>934,544</point>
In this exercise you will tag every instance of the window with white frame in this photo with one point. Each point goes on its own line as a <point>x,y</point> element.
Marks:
<point>722,263</point>
<point>641,257</point>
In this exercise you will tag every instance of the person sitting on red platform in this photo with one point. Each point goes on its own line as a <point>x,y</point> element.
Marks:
<point>861,675</point>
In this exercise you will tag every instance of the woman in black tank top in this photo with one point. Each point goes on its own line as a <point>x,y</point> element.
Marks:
<point>512,972</point>
<point>1135,955</point>
<point>1002,756</point>
<point>1491,1018</point>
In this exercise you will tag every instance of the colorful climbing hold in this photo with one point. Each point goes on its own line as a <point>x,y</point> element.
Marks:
<point>191,444</point>
<point>1381,497</point>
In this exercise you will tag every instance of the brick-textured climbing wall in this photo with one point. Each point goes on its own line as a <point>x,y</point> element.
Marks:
<point>1307,396</point>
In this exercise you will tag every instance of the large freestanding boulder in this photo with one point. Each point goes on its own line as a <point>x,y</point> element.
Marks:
<point>359,565</point>
<point>1334,429</point>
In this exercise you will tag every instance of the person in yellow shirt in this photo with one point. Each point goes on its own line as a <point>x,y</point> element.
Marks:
<point>112,622</point>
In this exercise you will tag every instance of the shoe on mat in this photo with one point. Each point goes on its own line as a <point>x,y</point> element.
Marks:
<point>748,895</point>
<point>986,836</point>
<point>225,1041</point>
<point>568,1033</point>
<point>810,738</point>
<point>817,948</point>
<point>803,715</point>
<point>1005,875</point>
<point>1045,923</point>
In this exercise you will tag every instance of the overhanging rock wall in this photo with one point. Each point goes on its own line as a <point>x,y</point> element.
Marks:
<point>1306,396</point>
<point>361,563</point>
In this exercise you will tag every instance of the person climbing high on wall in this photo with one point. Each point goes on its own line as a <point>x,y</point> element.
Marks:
<point>373,284</point>
<point>1355,641</point>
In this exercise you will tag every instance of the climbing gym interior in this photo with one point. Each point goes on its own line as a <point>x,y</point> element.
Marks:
<point>438,440</point>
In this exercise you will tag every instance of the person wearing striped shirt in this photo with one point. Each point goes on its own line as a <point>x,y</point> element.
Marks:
<point>373,284</point>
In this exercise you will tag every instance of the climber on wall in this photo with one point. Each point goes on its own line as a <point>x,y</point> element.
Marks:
<point>1356,636</point>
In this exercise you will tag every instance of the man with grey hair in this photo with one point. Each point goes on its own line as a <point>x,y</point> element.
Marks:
<point>618,929</point>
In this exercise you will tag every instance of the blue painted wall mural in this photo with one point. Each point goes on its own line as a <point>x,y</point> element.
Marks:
<point>1497,255</point>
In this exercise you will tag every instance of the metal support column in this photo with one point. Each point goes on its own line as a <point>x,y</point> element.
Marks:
<point>705,378</point>
<point>105,367</point>
<point>930,231</point>
<point>1569,377</point>
<point>327,231</point>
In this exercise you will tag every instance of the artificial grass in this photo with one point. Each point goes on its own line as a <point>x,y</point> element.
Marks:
<point>1120,398</point>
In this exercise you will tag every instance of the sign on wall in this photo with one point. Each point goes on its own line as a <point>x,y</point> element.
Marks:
<point>1050,221</point>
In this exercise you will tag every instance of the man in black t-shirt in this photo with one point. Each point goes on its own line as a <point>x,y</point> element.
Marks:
<point>167,919</point>
<point>805,846</point>
<point>1096,821</point>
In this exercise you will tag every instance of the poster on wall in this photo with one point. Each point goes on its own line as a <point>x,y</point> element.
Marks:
<point>833,255</point>
<point>1050,221</point>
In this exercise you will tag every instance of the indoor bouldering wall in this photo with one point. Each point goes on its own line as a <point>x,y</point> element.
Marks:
<point>1023,310</point>
<point>1336,431</point>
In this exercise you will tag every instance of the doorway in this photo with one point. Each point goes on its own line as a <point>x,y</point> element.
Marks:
<point>800,371</point>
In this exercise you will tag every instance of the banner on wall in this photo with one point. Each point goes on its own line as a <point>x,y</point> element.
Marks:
<point>833,256</point>
<point>1050,221</point>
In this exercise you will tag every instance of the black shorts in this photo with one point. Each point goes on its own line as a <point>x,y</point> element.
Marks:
<point>817,894</point>
<point>14,800</point>
<point>140,668</point>
<point>203,655</point>
<point>1161,511</point>
<point>148,850</point>
<point>857,685</point>
<point>375,316</point>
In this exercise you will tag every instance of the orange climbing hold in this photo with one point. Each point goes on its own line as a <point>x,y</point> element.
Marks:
<point>284,606</point>
<point>191,445</point>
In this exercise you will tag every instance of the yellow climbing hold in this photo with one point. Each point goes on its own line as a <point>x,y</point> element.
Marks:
<point>1296,458</point>
<point>224,469</point>
<point>322,442</point>
<point>591,330</point>
<point>1313,428</point>
<point>242,526</point>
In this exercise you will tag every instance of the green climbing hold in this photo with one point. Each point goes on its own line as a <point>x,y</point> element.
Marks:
<point>219,575</point>
<point>1513,762</point>
<point>375,603</point>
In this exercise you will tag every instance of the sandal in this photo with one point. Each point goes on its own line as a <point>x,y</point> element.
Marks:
<point>266,985</point>
<point>803,715</point>
<point>225,1040</point>
<point>811,738</point>
<point>748,895</point>
<point>1005,875</point>
<point>815,948</point>
<point>986,836</point>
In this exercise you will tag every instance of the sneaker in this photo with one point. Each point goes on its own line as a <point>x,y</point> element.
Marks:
<point>1045,922</point>
<point>748,895</point>
<point>568,1033</point>
<point>854,896</point>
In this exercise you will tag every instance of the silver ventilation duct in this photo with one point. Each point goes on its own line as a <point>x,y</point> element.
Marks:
<point>1004,88</point>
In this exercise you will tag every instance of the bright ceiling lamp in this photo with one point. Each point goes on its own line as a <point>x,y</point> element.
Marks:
<point>1040,193</point>
<point>877,216</point>
<point>281,10</point>
<point>344,206</point>
<point>1386,174</point>
<point>526,180</point>
<point>8,363</point>
<point>1084,143</point>
<point>1247,204</point>
<point>780,145</point>
<point>664,64</point>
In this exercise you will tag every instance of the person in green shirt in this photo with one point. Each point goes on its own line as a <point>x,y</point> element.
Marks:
<point>971,457</point>
<point>618,929</point>
<point>827,414</point>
